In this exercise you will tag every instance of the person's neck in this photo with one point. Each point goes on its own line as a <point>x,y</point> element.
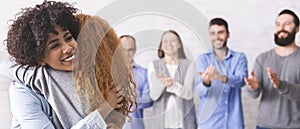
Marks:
<point>171,59</point>
<point>285,50</point>
<point>221,53</point>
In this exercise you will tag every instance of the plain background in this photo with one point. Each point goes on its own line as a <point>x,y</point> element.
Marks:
<point>251,24</point>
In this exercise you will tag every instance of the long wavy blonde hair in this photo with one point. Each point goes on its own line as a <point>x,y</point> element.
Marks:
<point>100,61</point>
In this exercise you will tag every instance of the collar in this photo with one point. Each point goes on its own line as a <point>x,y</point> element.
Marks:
<point>134,65</point>
<point>229,53</point>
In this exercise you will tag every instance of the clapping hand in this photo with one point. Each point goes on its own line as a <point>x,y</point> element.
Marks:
<point>251,81</point>
<point>274,78</point>
<point>211,73</point>
<point>166,80</point>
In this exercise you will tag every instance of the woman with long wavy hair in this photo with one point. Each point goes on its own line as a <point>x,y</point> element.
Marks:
<point>100,62</point>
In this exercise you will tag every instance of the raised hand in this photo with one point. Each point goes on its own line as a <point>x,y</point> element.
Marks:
<point>251,81</point>
<point>216,74</point>
<point>274,78</point>
<point>211,73</point>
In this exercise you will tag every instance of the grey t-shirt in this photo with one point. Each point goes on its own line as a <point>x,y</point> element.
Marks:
<point>278,108</point>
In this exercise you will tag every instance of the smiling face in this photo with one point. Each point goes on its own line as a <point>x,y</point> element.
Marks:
<point>60,48</point>
<point>285,30</point>
<point>218,36</point>
<point>170,44</point>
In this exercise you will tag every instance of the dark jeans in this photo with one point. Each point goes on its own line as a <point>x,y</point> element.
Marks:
<point>257,127</point>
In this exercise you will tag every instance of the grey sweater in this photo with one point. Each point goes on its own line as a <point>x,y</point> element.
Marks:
<point>58,88</point>
<point>279,108</point>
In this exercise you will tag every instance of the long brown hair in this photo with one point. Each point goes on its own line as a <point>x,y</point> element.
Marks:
<point>161,53</point>
<point>100,61</point>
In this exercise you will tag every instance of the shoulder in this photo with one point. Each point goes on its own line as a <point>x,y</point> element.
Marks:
<point>140,68</point>
<point>203,56</point>
<point>21,95</point>
<point>236,53</point>
<point>265,55</point>
<point>18,88</point>
<point>298,52</point>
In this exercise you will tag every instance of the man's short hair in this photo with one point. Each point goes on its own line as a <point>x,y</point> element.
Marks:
<point>220,22</point>
<point>129,36</point>
<point>287,11</point>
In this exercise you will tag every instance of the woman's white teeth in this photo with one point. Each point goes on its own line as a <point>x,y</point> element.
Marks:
<point>69,58</point>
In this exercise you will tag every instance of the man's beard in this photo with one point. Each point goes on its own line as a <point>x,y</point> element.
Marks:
<point>285,41</point>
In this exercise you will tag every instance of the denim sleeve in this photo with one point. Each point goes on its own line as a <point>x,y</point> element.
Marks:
<point>144,100</point>
<point>241,71</point>
<point>29,110</point>
<point>92,121</point>
<point>201,67</point>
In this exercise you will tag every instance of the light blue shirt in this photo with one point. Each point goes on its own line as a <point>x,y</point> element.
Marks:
<point>225,104</point>
<point>143,97</point>
<point>31,110</point>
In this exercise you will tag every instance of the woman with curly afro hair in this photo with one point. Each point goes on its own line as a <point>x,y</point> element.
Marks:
<point>42,41</point>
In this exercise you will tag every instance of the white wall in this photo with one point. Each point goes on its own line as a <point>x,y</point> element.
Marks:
<point>251,24</point>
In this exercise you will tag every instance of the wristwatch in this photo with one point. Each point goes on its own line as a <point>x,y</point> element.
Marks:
<point>224,79</point>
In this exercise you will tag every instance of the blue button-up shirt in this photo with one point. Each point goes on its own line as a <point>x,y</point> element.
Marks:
<point>220,104</point>
<point>143,97</point>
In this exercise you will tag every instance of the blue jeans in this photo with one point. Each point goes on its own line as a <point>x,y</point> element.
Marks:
<point>257,127</point>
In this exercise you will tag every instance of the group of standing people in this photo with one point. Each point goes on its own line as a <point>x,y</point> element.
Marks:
<point>275,76</point>
<point>69,71</point>
<point>222,74</point>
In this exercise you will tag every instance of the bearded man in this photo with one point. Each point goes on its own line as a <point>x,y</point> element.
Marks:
<point>276,75</point>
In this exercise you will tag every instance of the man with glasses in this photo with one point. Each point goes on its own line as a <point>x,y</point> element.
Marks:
<point>139,75</point>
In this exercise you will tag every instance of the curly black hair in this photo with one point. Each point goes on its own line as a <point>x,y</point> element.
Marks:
<point>27,36</point>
